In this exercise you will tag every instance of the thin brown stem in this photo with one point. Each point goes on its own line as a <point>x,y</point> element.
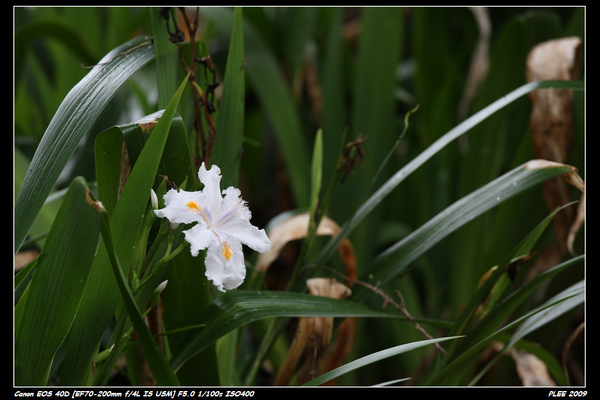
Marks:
<point>388,300</point>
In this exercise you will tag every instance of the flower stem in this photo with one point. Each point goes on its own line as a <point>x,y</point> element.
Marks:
<point>159,265</point>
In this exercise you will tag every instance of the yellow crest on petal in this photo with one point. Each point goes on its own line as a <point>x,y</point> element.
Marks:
<point>226,250</point>
<point>192,205</point>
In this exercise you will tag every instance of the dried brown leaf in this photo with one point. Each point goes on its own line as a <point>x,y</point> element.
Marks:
<point>295,228</point>
<point>567,346</point>
<point>531,370</point>
<point>480,60</point>
<point>565,230</point>
<point>552,116</point>
<point>552,132</point>
<point>312,337</point>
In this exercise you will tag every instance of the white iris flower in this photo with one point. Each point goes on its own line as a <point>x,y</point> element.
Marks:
<point>222,226</point>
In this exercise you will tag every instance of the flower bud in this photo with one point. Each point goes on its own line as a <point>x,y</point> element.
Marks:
<point>153,199</point>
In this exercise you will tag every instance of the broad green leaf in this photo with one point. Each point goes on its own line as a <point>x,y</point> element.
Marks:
<point>384,190</point>
<point>118,148</point>
<point>537,320</point>
<point>44,219</point>
<point>397,258</point>
<point>175,164</point>
<point>152,353</point>
<point>374,357</point>
<point>230,123</point>
<point>373,109</point>
<point>502,141</point>
<point>108,156</point>
<point>498,281</point>
<point>274,95</point>
<point>334,120</point>
<point>74,117</point>
<point>186,296</point>
<point>166,55</point>
<point>316,181</point>
<point>45,312</point>
<point>551,309</point>
<point>101,295</point>
<point>238,308</point>
<point>499,314</point>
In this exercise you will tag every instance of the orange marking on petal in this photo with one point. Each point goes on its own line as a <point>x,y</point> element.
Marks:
<point>192,205</point>
<point>226,250</point>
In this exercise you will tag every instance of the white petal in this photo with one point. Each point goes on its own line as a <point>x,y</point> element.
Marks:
<point>225,265</point>
<point>181,207</point>
<point>232,194</point>
<point>199,238</point>
<point>211,194</point>
<point>232,207</point>
<point>247,234</point>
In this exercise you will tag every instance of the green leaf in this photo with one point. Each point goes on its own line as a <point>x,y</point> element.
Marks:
<point>108,156</point>
<point>384,190</point>
<point>118,148</point>
<point>397,258</point>
<point>47,213</point>
<point>496,144</point>
<point>551,309</point>
<point>497,282</point>
<point>186,296</point>
<point>44,314</point>
<point>374,357</point>
<point>276,100</point>
<point>334,120</point>
<point>74,117</point>
<point>175,164</point>
<point>501,311</point>
<point>574,295</point>
<point>101,296</point>
<point>152,353</point>
<point>166,55</point>
<point>230,123</point>
<point>381,39</point>
<point>315,184</point>
<point>238,308</point>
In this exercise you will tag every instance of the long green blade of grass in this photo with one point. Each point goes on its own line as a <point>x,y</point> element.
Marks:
<point>551,309</point>
<point>167,58</point>
<point>540,319</point>
<point>230,123</point>
<point>101,296</point>
<point>500,312</point>
<point>74,117</point>
<point>376,198</point>
<point>374,357</point>
<point>235,309</point>
<point>156,360</point>
<point>372,117</point>
<point>397,258</point>
<point>477,328</point>
<point>274,95</point>
<point>44,314</point>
